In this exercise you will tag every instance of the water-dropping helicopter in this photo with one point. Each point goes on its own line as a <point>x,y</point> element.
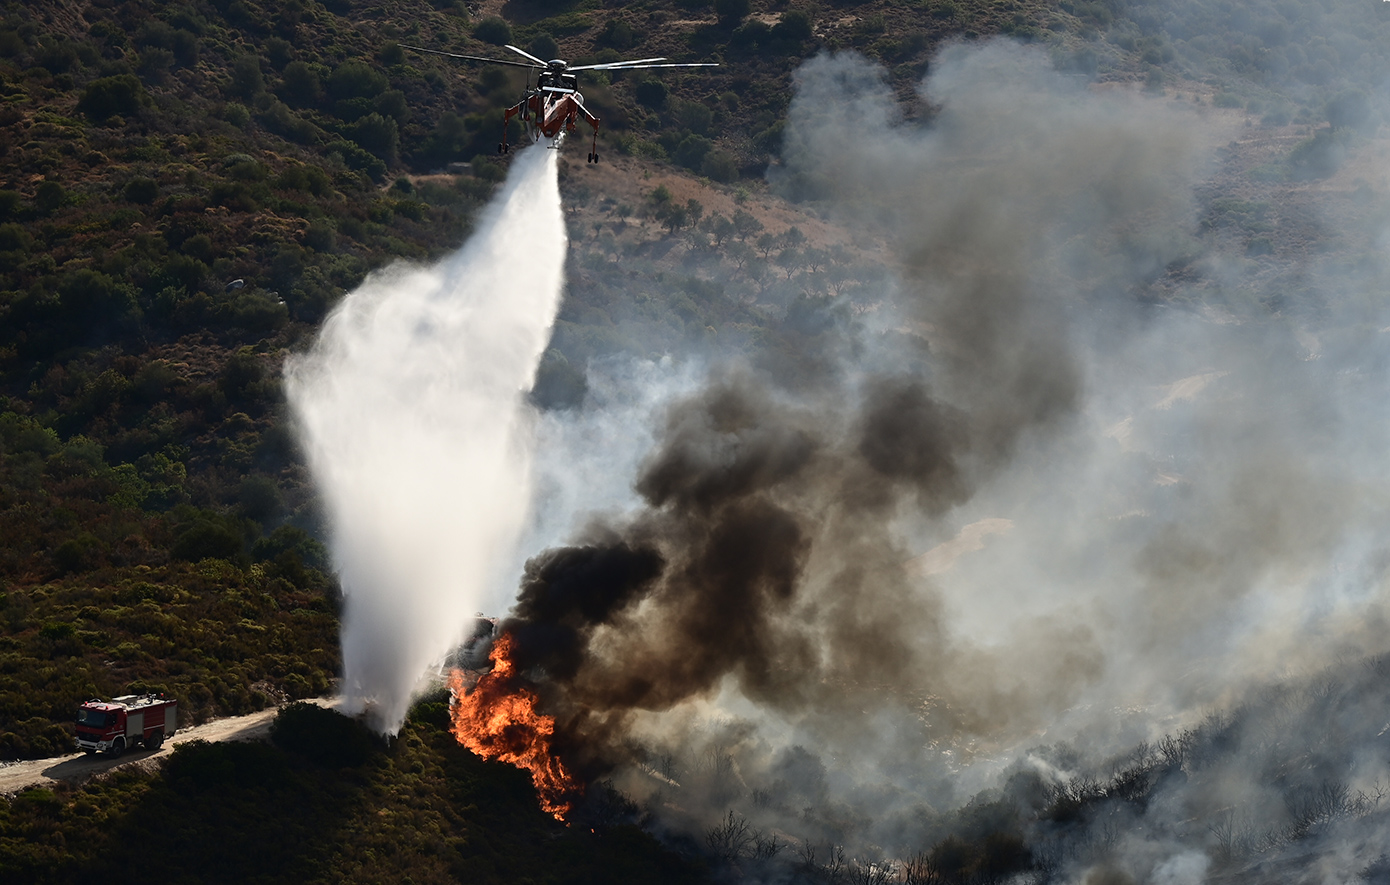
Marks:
<point>554,105</point>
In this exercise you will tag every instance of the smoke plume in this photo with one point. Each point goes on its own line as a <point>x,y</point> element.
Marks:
<point>1182,496</point>
<point>411,409</point>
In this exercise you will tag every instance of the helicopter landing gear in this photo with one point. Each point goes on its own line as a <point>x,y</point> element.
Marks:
<point>593,158</point>
<point>504,148</point>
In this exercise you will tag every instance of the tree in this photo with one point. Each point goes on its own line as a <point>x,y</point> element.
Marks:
<point>617,34</point>
<point>355,79</point>
<point>719,166</point>
<point>719,227</point>
<point>119,96</point>
<point>544,46</point>
<point>246,82</point>
<point>300,85</point>
<point>651,93</point>
<point>740,254</point>
<point>377,134</point>
<point>691,151</point>
<point>745,225</point>
<point>493,30</point>
<point>1348,109</point>
<point>791,260</point>
<point>49,197</point>
<point>795,27</point>
<point>673,216</point>
<point>143,191</point>
<point>766,243</point>
<point>731,12</point>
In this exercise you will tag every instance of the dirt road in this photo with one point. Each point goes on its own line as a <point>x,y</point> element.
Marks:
<point>16,776</point>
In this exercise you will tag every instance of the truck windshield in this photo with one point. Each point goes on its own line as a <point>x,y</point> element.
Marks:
<point>95,718</point>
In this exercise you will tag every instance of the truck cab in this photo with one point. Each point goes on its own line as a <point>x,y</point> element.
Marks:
<point>121,723</point>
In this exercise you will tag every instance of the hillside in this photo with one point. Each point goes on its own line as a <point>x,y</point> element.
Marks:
<point>187,189</point>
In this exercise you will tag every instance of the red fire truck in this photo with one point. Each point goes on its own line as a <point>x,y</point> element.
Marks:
<point>114,726</point>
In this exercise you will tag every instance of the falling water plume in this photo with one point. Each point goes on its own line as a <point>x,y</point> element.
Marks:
<point>411,410</point>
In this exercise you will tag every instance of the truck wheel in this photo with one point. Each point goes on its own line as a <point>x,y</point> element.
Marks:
<point>153,742</point>
<point>117,748</point>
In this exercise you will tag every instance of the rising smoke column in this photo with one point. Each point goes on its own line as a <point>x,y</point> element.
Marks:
<point>1184,487</point>
<point>768,546</point>
<point>411,410</point>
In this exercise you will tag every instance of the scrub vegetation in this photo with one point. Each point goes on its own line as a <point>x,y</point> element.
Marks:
<point>186,190</point>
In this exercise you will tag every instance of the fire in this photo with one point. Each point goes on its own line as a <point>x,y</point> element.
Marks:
<point>498,720</point>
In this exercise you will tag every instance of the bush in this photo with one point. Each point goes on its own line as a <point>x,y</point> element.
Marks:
<point>691,152</point>
<point>651,93</point>
<point>15,238</point>
<point>617,34</point>
<point>355,79</point>
<point>544,47</point>
<point>141,190</point>
<point>731,12</point>
<point>208,537</point>
<point>119,96</point>
<point>493,30</point>
<point>198,766</point>
<point>1321,155</point>
<point>300,85</point>
<point>49,197</point>
<point>325,737</point>
<point>1348,109</point>
<point>246,79</point>
<point>719,166</point>
<point>377,134</point>
<point>795,27</point>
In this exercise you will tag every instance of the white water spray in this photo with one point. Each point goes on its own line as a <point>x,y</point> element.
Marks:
<point>411,410</point>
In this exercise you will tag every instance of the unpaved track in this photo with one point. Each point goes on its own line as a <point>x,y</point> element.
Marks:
<point>79,766</point>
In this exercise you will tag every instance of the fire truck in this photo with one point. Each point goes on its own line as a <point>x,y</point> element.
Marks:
<point>118,724</point>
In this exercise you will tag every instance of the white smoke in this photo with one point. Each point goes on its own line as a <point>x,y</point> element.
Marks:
<point>411,410</point>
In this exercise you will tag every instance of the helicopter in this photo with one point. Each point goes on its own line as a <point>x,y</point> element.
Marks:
<point>554,105</point>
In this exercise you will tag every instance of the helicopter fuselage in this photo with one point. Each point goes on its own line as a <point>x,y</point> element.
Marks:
<point>553,107</point>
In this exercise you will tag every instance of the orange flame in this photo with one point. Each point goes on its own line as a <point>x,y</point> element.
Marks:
<point>498,720</point>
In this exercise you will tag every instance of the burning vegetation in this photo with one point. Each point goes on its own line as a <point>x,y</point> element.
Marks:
<point>497,719</point>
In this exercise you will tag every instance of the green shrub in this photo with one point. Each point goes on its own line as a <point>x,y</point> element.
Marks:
<point>15,238</point>
<point>49,197</point>
<point>691,152</point>
<point>617,34</point>
<point>325,737</point>
<point>651,93</point>
<point>208,537</point>
<point>355,79</point>
<point>493,30</point>
<point>141,190</point>
<point>795,27</point>
<point>246,81</point>
<point>377,134</point>
<point>544,46</point>
<point>300,85</point>
<point>719,166</point>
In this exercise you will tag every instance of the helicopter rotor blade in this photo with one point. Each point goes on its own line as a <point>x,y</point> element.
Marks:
<point>609,65</point>
<point>632,67</point>
<point>491,61</point>
<point>527,54</point>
